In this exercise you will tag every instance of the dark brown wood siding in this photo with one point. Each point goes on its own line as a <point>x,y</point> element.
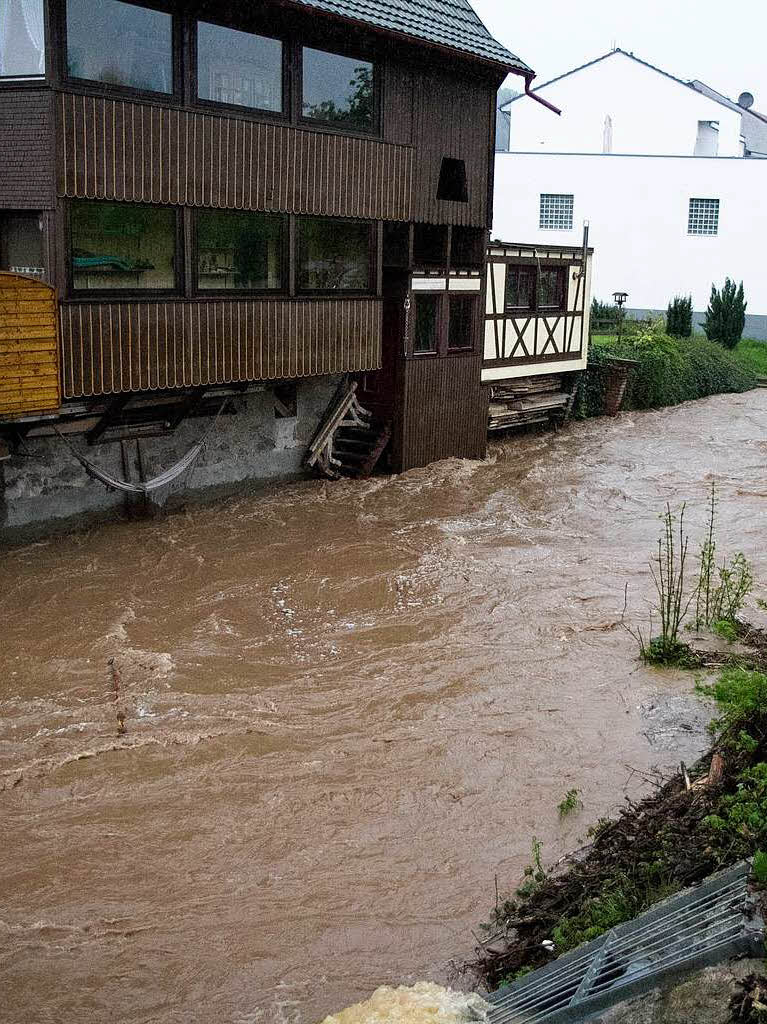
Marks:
<point>445,411</point>
<point>124,150</point>
<point>111,347</point>
<point>451,119</point>
<point>27,177</point>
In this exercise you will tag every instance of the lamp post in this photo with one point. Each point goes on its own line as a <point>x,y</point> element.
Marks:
<point>620,299</point>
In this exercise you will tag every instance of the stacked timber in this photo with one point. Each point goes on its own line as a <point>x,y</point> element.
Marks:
<point>29,356</point>
<point>528,400</point>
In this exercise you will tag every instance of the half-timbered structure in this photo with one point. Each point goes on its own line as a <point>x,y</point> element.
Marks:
<point>536,331</point>
<point>233,197</point>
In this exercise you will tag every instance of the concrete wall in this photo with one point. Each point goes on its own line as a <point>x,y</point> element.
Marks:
<point>651,113</point>
<point>43,487</point>
<point>637,208</point>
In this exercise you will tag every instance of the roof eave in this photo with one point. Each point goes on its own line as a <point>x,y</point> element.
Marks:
<point>517,67</point>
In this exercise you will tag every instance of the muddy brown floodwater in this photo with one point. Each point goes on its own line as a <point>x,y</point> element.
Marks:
<point>347,707</point>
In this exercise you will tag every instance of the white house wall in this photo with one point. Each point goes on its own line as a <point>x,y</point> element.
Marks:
<point>650,113</point>
<point>637,208</point>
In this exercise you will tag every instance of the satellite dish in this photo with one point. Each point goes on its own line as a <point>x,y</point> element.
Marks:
<point>745,100</point>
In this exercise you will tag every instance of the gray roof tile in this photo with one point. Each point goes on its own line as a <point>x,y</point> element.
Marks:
<point>448,23</point>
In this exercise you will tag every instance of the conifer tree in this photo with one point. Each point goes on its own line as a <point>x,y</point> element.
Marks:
<point>726,314</point>
<point>679,317</point>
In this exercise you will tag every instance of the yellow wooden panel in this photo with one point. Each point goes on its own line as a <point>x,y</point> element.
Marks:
<point>29,348</point>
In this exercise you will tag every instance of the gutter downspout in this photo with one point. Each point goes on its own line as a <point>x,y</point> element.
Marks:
<point>536,97</point>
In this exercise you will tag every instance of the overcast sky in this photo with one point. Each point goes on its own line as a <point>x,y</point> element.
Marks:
<point>723,44</point>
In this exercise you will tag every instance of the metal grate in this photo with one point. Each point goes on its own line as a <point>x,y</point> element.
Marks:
<point>703,217</point>
<point>556,212</point>
<point>699,926</point>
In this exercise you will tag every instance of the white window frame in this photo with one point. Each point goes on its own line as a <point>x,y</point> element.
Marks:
<point>703,216</point>
<point>555,211</point>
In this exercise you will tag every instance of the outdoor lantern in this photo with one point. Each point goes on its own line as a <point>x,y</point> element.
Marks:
<point>620,298</point>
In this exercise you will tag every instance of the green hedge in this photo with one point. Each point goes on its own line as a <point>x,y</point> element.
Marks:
<point>670,371</point>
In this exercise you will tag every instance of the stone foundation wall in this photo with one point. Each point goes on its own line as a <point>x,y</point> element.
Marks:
<point>43,488</point>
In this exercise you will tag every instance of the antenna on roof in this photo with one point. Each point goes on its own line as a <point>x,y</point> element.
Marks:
<point>745,100</point>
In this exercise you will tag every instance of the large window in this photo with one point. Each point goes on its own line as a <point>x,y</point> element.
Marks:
<point>122,246</point>
<point>239,251</point>
<point>338,90</point>
<point>556,212</point>
<point>703,217</point>
<point>238,68</point>
<point>120,44</point>
<point>21,244</point>
<point>22,39</point>
<point>333,255</point>
<point>531,288</point>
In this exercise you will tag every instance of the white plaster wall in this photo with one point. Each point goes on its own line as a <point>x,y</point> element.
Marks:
<point>651,113</point>
<point>637,209</point>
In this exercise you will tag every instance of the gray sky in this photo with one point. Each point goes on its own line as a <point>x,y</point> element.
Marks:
<point>723,44</point>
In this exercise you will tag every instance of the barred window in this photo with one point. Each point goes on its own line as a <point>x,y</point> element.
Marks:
<point>556,212</point>
<point>703,217</point>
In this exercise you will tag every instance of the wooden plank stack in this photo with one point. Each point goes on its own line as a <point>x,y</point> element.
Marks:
<point>29,353</point>
<point>527,400</point>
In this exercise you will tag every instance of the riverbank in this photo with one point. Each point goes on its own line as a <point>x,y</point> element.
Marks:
<point>699,821</point>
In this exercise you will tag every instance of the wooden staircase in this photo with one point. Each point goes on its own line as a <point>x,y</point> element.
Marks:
<point>349,441</point>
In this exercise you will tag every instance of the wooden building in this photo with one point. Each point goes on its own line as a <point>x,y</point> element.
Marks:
<point>536,335</point>
<point>219,196</point>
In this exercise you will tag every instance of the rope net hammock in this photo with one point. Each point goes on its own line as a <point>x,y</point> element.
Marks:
<point>146,486</point>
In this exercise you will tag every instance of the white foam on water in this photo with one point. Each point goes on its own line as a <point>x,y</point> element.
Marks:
<point>422,1003</point>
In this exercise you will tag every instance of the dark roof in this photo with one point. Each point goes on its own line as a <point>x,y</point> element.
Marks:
<point>450,24</point>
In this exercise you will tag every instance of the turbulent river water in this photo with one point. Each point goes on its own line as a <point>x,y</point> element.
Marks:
<point>346,708</point>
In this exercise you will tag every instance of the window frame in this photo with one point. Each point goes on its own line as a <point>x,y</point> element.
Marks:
<point>135,294</point>
<point>6,214</point>
<point>209,293</point>
<point>472,299</point>
<point>34,81</point>
<point>238,109</point>
<point>342,292</point>
<point>333,126</point>
<point>702,215</point>
<point>555,195</point>
<point>440,323</point>
<point>536,309</point>
<point>94,85</point>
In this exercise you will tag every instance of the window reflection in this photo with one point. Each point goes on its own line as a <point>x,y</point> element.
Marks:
<point>239,251</point>
<point>337,89</point>
<point>520,287</point>
<point>22,39</point>
<point>333,255</point>
<point>120,44</point>
<point>426,323</point>
<point>461,322</point>
<point>238,67</point>
<point>123,246</point>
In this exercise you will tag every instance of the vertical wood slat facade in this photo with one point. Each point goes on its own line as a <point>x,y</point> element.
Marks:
<point>29,358</point>
<point>113,347</point>
<point>137,152</point>
<point>451,119</point>
<point>445,411</point>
